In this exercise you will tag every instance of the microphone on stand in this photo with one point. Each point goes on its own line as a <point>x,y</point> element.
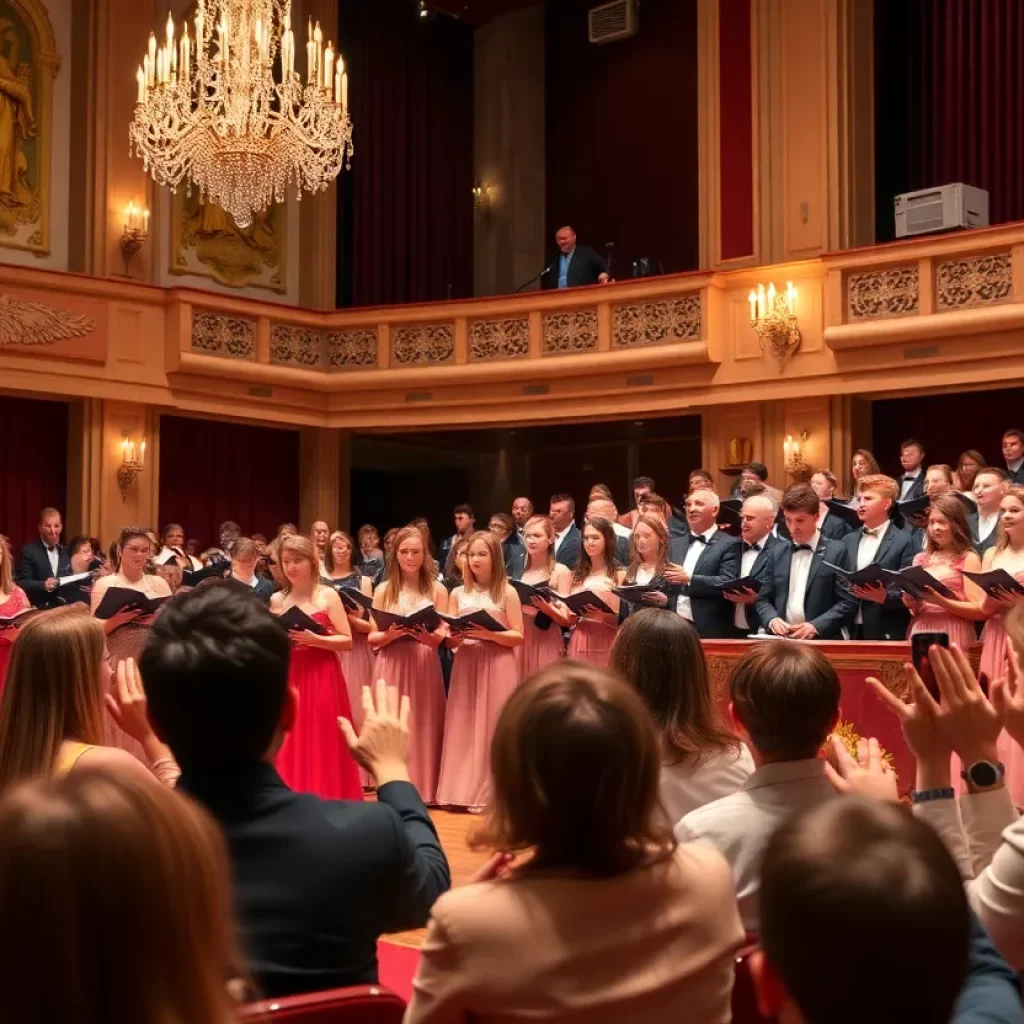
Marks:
<point>608,247</point>
<point>536,277</point>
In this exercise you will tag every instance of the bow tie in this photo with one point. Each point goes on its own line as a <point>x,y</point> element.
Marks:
<point>908,477</point>
<point>876,532</point>
<point>802,547</point>
<point>751,547</point>
<point>700,538</point>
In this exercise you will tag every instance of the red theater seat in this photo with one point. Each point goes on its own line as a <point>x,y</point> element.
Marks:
<point>363,1004</point>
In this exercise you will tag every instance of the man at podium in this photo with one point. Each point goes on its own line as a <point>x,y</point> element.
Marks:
<point>574,265</point>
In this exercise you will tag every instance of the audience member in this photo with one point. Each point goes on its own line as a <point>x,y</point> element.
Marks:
<point>660,655</point>
<point>316,881</point>
<point>44,561</point>
<point>1013,452</point>
<point>548,931</point>
<point>911,459</point>
<point>115,899</point>
<point>785,702</point>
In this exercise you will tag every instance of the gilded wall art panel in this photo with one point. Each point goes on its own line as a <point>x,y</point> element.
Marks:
<point>218,335</point>
<point>878,294</point>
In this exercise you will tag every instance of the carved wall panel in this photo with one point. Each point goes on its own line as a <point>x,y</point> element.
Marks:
<point>499,339</point>
<point>231,336</point>
<point>650,323</point>
<point>419,344</point>
<point>975,281</point>
<point>37,323</point>
<point>351,350</point>
<point>570,332</point>
<point>882,293</point>
<point>295,346</point>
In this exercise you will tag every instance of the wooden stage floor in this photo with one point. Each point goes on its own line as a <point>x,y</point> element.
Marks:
<point>452,829</point>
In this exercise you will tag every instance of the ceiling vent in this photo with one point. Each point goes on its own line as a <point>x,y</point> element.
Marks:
<point>612,22</point>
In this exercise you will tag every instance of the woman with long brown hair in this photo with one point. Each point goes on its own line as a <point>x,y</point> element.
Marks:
<point>116,899</point>
<point>13,601</point>
<point>660,655</point>
<point>52,710</point>
<point>967,467</point>
<point>314,757</point>
<point>584,860</point>
<point>484,674</point>
<point>542,620</point>
<point>597,571</point>
<point>408,659</point>
<point>947,553</point>
<point>863,464</point>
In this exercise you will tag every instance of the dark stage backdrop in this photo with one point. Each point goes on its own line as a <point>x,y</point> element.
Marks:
<point>946,425</point>
<point>211,471</point>
<point>406,207</point>
<point>622,134</point>
<point>949,101</point>
<point>33,464</point>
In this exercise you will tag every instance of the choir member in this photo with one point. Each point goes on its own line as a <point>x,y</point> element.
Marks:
<point>126,631</point>
<point>648,560</point>
<point>465,523</point>
<point>911,459</point>
<point>642,486</point>
<point>562,513</point>
<point>421,524</point>
<point>757,516</point>
<point>455,567</point>
<point>484,675</point>
<point>938,479</point>
<point>880,612</point>
<point>522,513</point>
<point>967,467</point>
<point>319,533</point>
<point>824,483</point>
<point>314,757</point>
<point>228,533</point>
<point>597,571</point>
<point>805,599</point>
<point>172,575</point>
<point>12,601</point>
<point>83,559</point>
<point>244,556</point>
<point>369,546</point>
<point>272,558</point>
<point>42,562</point>
<point>990,485</point>
<point>1013,452</point>
<point>503,526</point>
<point>948,552</point>
<point>863,464</point>
<point>286,530</point>
<point>407,659</point>
<point>1008,554</point>
<point>357,663</point>
<point>173,546</point>
<point>700,480</point>
<point>542,620</point>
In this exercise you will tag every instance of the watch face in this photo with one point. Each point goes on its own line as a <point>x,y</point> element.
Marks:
<point>983,774</point>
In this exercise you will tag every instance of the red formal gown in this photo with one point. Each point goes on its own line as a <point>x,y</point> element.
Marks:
<point>315,757</point>
<point>17,601</point>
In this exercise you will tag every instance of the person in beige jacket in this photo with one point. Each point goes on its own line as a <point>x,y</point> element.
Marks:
<point>607,919</point>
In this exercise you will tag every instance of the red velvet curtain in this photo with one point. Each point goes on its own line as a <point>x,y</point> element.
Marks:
<point>406,210</point>
<point>211,471</point>
<point>33,464</point>
<point>949,100</point>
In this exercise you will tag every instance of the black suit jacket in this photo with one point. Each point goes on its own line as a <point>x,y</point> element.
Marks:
<point>515,559</point>
<point>834,528</point>
<point>916,488</point>
<point>571,548</point>
<point>891,620</point>
<point>1018,477</point>
<point>827,603</point>
<point>981,546</point>
<point>34,570</point>
<point>761,570</point>
<point>584,268</point>
<point>316,882</point>
<point>718,563</point>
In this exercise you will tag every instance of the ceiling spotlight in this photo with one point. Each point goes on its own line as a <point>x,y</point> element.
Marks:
<point>423,8</point>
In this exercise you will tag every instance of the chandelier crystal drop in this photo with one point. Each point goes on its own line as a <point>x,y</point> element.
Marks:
<point>210,111</point>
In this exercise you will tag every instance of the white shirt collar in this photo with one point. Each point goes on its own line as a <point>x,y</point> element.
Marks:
<point>785,771</point>
<point>252,582</point>
<point>914,475</point>
<point>709,533</point>
<point>880,530</point>
<point>1015,465</point>
<point>561,533</point>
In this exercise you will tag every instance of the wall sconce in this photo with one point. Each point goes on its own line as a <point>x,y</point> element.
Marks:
<point>794,460</point>
<point>136,231</point>
<point>482,196</point>
<point>773,317</point>
<point>133,462</point>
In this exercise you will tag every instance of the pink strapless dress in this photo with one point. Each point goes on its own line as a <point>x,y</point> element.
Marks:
<point>541,647</point>
<point>17,602</point>
<point>315,757</point>
<point>935,619</point>
<point>591,641</point>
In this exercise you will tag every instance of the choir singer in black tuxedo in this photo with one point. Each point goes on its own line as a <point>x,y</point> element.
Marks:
<point>756,519</point>
<point>709,559</point>
<point>574,265</point>
<point>568,539</point>
<point>44,561</point>
<point>316,882</point>
<point>805,599</point>
<point>1013,452</point>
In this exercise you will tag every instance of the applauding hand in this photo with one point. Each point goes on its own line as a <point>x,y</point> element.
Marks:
<point>382,746</point>
<point>1008,696</point>
<point>868,776</point>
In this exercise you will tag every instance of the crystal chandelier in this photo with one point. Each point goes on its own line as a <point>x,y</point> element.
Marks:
<point>209,110</point>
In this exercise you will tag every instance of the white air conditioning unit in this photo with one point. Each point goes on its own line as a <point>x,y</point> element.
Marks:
<point>941,209</point>
<point>611,22</point>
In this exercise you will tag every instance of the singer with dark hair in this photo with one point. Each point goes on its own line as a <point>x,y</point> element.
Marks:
<point>574,266</point>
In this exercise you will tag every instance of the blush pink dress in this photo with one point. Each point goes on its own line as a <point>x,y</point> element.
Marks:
<point>540,647</point>
<point>484,675</point>
<point>357,667</point>
<point>16,601</point>
<point>934,619</point>
<point>315,757</point>
<point>591,641</point>
<point>415,670</point>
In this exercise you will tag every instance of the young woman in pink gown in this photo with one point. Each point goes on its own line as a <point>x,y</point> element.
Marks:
<point>315,757</point>
<point>126,632</point>
<point>1007,554</point>
<point>597,571</point>
<point>542,646</point>
<point>483,677</point>
<point>12,600</point>
<point>947,553</point>
<point>408,659</point>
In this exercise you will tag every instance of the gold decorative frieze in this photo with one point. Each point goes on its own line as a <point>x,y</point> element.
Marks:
<point>294,346</point>
<point>418,344</point>
<point>882,293</point>
<point>975,281</point>
<point>650,323</point>
<point>351,350</point>
<point>570,332</point>
<point>36,323</point>
<point>231,336</point>
<point>499,339</point>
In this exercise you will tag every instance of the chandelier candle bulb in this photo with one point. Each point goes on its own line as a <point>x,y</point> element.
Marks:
<point>761,304</point>
<point>771,297</point>
<point>753,305</point>
<point>328,66</point>
<point>186,56</point>
<point>140,78</point>
<point>790,298</point>
<point>344,91</point>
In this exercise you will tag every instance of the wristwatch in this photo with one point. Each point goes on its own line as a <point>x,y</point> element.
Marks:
<point>983,774</point>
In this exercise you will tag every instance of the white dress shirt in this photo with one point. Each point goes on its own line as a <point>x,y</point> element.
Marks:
<point>252,582</point>
<point>693,553</point>
<point>747,560</point>
<point>986,524</point>
<point>908,481</point>
<point>622,531</point>
<point>740,825</point>
<point>53,556</point>
<point>1012,467</point>
<point>166,552</point>
<point>559,537</point>
<point>685,787</point>
<point>799,570</point>
<point>867,549</point>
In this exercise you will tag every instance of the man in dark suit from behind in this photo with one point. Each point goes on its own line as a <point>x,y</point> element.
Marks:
<point>316,882</point>
<point>1013,452</point>
<point>44,561</point>
<point>574,265</point>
